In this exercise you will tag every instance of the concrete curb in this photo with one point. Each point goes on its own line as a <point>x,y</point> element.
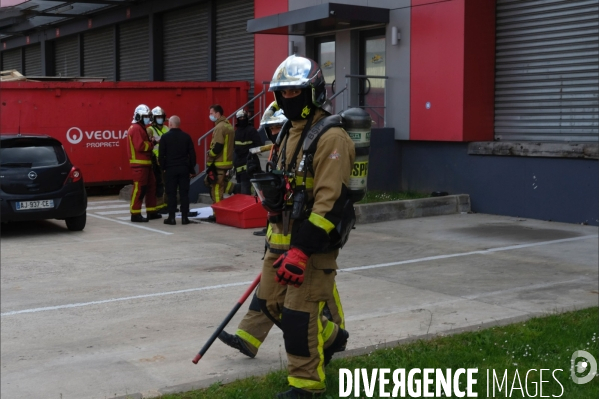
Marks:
<point>407,209</point>
<point>382,211</point>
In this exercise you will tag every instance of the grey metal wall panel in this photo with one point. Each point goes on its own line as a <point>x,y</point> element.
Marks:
<point>11,59</point>
<point>66,56</point>
<point>547,70</point>
<point>98,53</point>
<point>186,44</point>
<point>134,57</point>
<point>234,46</point>
<point>33,60</point>
<point>558,189</point>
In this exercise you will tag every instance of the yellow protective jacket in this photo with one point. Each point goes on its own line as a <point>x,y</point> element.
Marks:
<point>327,189</point>
<point>222,144</point>
<point>156,132</point>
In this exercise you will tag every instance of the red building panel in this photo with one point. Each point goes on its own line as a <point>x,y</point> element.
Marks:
<point>269,50</point>
<point>479,71</point>
<point>452,68</point>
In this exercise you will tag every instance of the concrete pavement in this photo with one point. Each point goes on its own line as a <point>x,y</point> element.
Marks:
<point>120,309</point>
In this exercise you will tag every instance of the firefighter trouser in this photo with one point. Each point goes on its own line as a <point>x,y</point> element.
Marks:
<point>221,186</point>
<point>255,325</point>
<point>160,185</point>
<point>306,329</point>
<point>144,187</point>
<point>243,179</point>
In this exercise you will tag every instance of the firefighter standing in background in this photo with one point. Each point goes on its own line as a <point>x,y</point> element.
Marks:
<point>270,126</point>
<point>220,155</point>
<point>303,241</point>
<point>139,149</point>
<point>155,131</point>
<point>246,137</point>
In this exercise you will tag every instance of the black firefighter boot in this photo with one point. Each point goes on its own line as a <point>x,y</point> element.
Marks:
<point>184,219</point>
<point>338,345</point>
<point>235,342</point>
<point>137,218</point>
<point>170,220</point>
<point>296,393</point>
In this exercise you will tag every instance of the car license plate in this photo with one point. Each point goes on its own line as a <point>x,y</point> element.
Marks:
<point>25,205</point>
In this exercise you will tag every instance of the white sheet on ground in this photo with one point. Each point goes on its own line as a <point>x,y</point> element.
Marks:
<point>202,212</point>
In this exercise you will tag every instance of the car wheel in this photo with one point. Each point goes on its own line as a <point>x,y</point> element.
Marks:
<point>76,223</point>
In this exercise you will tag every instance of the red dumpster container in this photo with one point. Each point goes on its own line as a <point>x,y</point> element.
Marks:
<point>91,119</point>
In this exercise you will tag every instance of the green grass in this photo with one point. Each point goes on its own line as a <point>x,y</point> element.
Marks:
<point>382,196</point>
<point>540,343</point>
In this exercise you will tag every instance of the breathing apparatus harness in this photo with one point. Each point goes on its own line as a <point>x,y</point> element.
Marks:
<point>283,191</point>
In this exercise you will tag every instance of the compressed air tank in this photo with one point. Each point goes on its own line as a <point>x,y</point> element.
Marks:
<point>358,124</point>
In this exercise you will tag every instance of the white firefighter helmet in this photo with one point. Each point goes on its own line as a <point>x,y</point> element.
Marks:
<point>141,111</point>
<point>270,110</point>
<point>278,118</point>
<point>157,111</point>
<point>299,73</point>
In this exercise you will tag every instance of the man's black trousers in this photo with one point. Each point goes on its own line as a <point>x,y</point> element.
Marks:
<point>177,176</point>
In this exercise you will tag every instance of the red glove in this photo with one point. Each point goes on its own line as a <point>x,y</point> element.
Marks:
<point>291,267</point>
<point>211,176</point>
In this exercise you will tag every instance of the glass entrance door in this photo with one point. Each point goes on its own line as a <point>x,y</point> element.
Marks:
<point>372,63</point>
<point>325,57</point>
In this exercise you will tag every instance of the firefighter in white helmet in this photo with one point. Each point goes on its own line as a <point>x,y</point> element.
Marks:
<point>158,127</point>
<point>307,197</point>
<point>139,149</point>
<point>255,326</point>
<point>270,126</point>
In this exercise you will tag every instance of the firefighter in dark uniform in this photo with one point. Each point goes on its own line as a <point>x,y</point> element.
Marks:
<point>246,137</point>
<point>306,194</point>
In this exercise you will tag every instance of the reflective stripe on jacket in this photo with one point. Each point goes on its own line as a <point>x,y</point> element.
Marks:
<point>332,165</point>
<point>223,134</point>
<point>153,130</point>
<point>139,146</point>
<point>245,138</point>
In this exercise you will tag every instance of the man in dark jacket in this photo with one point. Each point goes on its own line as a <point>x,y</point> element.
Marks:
<point>246,137</point>
<point>177,158</point>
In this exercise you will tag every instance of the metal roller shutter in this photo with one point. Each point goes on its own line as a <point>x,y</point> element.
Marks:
<point>547,70</point>
<point>186,44</point>
<point>11,59</point>
<point>98,53</point>
<point>134,62</point>
<point>33,60</point>
<point>66,56</point>
<point>234,45</point>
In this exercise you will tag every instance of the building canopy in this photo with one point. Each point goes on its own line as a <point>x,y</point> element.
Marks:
<point>329,17</point>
